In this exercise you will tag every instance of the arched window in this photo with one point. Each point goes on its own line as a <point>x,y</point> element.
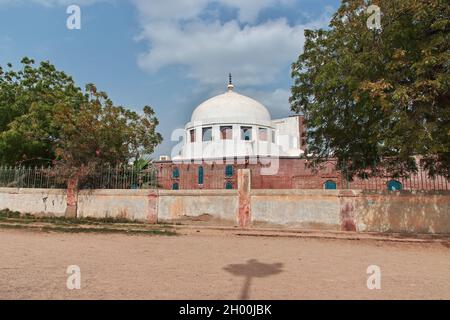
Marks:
<point>229,185</point>
<point>175,173</point>
<point>330,185</point>
<point>200,175</point>
<point>394,185</point>
<point>229,171</point>
<point>175,186</point>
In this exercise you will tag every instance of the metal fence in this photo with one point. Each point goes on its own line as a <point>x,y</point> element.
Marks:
<point>22,177</point>
<point>120,177</point>
<point>417,181</point>
<point>210,177</point>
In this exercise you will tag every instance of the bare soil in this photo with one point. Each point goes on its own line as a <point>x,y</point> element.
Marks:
<point>217,265</point>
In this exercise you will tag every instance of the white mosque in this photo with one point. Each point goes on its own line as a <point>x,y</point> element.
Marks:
<point>233,125</point>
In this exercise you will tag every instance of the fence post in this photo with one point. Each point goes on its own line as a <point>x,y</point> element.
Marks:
<point>244,214</point>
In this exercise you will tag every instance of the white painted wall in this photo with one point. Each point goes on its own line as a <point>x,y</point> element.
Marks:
<point>288,135</point>
<point>296,208</point>
<point>123,204</point>
<point>221,204</point>
<point>50,202</point>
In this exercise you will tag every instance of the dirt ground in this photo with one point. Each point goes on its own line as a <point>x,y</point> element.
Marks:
<point>217,266</point>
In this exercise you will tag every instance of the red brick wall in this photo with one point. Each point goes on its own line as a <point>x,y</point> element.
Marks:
<point>292,174</point>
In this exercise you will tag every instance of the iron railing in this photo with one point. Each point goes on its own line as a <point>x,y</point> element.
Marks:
<point>209,177</point>
<point>120,177</point>
<point>37,177</point>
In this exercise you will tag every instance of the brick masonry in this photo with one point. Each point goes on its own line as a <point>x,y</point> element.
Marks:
<point>291,173</point>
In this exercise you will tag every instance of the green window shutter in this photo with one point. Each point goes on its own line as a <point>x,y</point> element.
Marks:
<point>175,173</point>
<point>229,171</point>
<point>200,175</point>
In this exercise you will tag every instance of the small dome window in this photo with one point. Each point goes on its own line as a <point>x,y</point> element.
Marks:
<point>246,133</point>
<point>263,134</point>
<point>192,135</point>
<point>226,132</point>
<point>207,134</point>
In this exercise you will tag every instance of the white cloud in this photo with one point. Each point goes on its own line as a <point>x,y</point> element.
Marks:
<point>254,53</point>
<point>170,9</point>
<point>249,9</point>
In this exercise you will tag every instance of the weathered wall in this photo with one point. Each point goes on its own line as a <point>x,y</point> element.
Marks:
<point>192,204</point>
<point>122,204</point>
<point>50,202</point>
<point>347,210</point>
<point>417,211</point>
<point>296,208</point>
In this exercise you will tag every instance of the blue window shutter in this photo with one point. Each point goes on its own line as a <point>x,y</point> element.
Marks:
<point>330,185</point>
<point>394,185</point>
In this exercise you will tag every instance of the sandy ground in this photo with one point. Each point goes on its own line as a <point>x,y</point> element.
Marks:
<point>222,266</point>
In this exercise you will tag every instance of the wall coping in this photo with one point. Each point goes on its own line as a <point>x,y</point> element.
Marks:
<point>205,192</point>
<point>234,192</point>
<point>117,192</point>
<point>406,193</point>
<point>33,191</point>
<point>296,192</point>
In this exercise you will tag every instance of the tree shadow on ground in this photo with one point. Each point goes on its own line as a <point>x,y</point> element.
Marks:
<point>253,269</point>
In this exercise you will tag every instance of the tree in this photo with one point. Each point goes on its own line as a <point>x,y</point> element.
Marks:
<point>28,98</point>
<point>376,99</point>
<point>46,117</point>
<point>100,134</point>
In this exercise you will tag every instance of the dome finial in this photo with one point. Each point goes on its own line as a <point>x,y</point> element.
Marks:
<point>230,83</point>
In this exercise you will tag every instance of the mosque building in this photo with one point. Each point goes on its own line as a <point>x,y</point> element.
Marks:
<point>232,131</point>
<point>233,125</point>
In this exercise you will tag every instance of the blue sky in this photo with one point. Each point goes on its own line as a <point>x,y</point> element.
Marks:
<point>169,54</point>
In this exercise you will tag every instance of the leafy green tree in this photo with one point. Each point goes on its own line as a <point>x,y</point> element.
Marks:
<point>101,133</point>
<point>28,98</point>
<point>376,99</point>
<point>45,117</point>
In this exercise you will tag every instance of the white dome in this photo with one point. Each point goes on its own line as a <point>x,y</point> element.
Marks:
<point>231,105</point>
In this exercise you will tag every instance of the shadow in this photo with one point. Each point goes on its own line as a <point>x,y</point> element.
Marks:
<point>253,269</point>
